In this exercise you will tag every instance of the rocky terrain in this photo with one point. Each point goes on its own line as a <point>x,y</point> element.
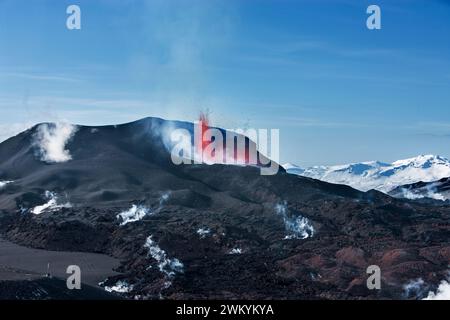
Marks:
<point>212,231</point>
<point>46,289</point>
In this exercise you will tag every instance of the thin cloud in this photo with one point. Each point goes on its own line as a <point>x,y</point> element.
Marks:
<point>38,77</point>
<point>11,129</point>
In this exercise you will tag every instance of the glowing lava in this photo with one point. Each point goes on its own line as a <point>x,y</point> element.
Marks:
<point>203,124</point>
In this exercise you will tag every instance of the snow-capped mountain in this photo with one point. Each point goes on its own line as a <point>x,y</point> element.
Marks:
<point>379,175</point>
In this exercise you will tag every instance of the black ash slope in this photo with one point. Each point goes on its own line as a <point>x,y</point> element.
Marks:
<point>255,246</point>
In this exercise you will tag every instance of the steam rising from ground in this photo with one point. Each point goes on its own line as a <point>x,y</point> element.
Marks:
<point>164,198</point>
<point>299,227</point>
<point>53,204</point>
<point>120,287</point>
<point>442,292</point>
<point>51,140</point>
<point>167,266</point>
<point>4,183</point>
<point>430,191</point>
<point>139,212</point>
<point>135,213</point>
<point>414,288</point>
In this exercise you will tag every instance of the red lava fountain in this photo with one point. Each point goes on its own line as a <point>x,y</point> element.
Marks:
<point>203,126</point>
<point>235,156</point>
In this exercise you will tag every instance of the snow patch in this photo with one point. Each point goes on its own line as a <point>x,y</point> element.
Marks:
<point>52,204</point>
<point>167,266</point>
<point>135,213</point>
<point>51,140</point>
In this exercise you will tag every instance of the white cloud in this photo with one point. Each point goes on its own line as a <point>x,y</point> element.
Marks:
<point>11,129</point>
<point>37,76</point>
<point>51,139</point>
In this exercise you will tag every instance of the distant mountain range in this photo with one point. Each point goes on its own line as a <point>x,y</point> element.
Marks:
<point>380,176</point>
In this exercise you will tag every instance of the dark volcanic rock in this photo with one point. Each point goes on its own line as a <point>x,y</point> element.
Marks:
<point>50,289</point>
<point>216,231</point>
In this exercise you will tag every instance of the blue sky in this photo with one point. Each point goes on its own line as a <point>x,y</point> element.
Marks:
<point>337,91</point>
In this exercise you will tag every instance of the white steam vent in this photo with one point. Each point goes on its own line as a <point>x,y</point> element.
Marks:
<point>168,266</point>
<point>135,213</point>
<point>442,292</point>
<point>53,204</point>
<point>298,227</point>
<point>4,183</point>
<point>51,140</point>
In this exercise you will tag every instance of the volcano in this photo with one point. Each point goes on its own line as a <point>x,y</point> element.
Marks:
<point>202,231</point>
